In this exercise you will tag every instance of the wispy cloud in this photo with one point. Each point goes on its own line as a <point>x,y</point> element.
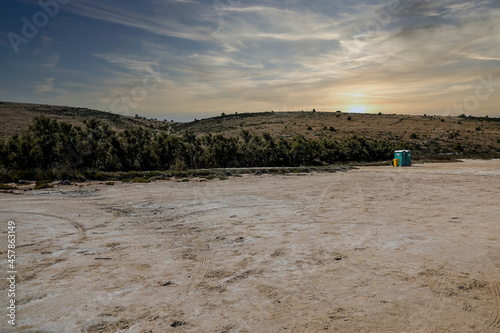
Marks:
<point>52,60</point>
<point>142,18</point>
<point>370,96</point>
<point>45,86</point>
<point>480,57</point>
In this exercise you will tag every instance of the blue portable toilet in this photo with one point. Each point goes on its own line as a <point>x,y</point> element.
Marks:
<point>403,157</point>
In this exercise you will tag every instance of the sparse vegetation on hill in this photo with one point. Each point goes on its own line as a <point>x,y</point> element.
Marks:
<point>428,135</point>
<point>17,117</point>
<point>88,141</point>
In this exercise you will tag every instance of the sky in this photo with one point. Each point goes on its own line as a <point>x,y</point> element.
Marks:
<point>187,59</point>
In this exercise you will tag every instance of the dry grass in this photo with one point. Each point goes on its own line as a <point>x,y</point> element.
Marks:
<point>16,117</point>
<point>425,132</point>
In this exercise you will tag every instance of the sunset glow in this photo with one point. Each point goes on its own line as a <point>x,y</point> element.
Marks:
<point>357,109</point>
<point>192,59</point>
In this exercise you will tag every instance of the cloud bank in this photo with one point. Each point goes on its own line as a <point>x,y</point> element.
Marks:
<point>391,56</point>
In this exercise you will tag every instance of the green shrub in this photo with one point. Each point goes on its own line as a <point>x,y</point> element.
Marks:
<point>42,184</point>
<point>7,187</point>
<point>458,147</point>
<point>5,177</point>
<point>180,165</point>
<point>140,180</point>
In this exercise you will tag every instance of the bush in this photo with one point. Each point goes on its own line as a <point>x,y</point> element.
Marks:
<point>180,165</point>
<point>42,184</point>
<point>458,147</point>
<point>140,180</point>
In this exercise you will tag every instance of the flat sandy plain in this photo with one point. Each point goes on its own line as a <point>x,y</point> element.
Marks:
<point>376,249</point>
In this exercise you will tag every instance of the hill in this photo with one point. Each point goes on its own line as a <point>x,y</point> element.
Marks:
<point>16,117</point>
<point>427,135</point>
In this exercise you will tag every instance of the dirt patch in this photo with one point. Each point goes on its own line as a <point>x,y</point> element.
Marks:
<point>378,249</point>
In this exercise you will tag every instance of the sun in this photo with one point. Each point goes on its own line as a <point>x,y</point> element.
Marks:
<point>357,109</point>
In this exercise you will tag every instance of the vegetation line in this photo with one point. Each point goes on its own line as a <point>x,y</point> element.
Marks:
<point>61,150</point>
<point>57,150</point>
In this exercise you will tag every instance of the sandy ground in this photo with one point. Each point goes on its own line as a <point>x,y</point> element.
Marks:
<point>377,249</point>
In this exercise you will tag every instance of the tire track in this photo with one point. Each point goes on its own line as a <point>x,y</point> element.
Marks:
<point>367,280</point>
<point>193,282</point>
<point>495,285</point>
<point>422,321</point>
<point>436,304</point>
<point>78,226</point>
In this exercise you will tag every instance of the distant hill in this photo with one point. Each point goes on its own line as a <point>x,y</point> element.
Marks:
<point>423,133</point>
<point>16,117</point>
<point>427,134</point>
